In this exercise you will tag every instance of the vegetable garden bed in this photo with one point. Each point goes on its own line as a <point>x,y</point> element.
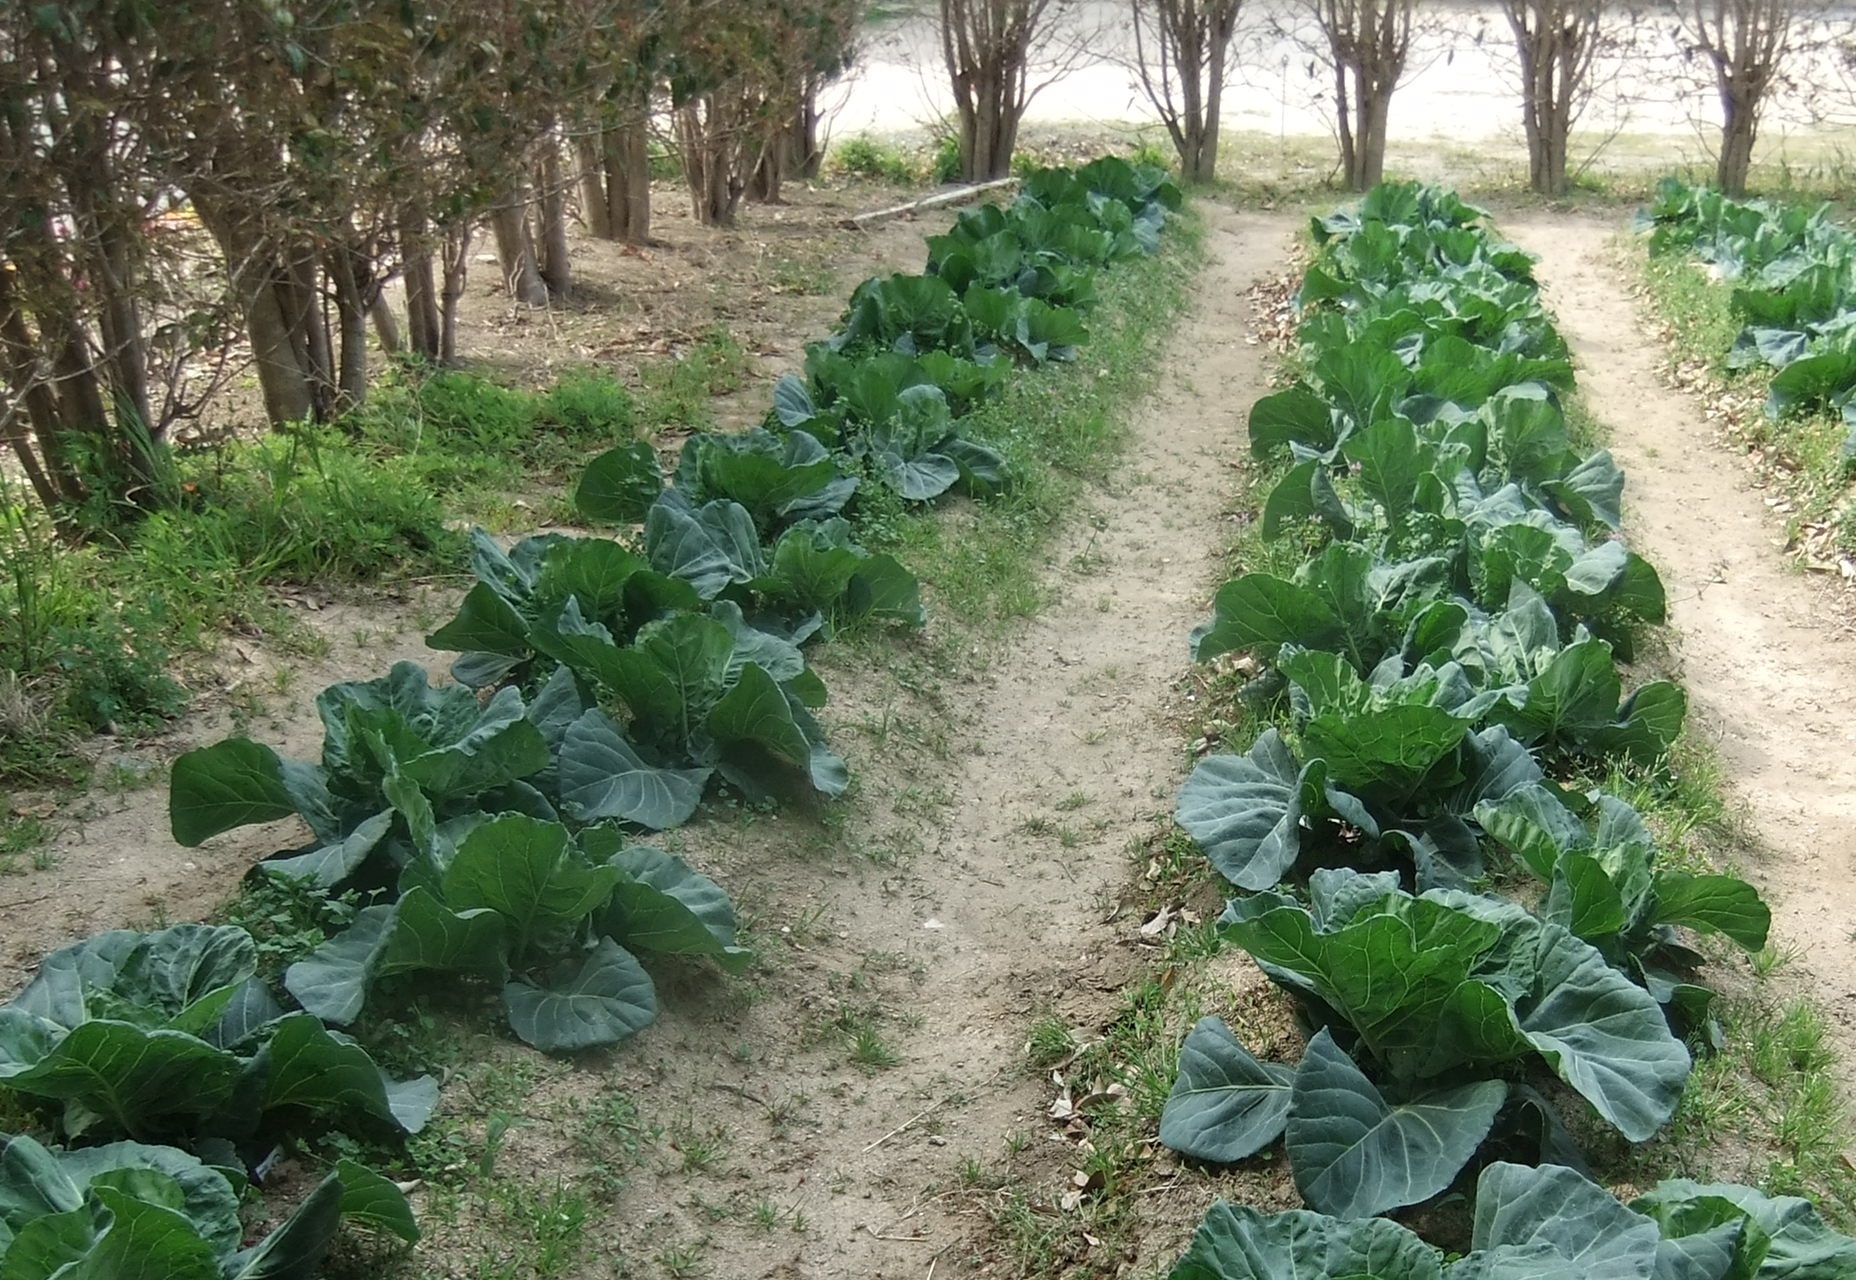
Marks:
<point>1485,954</point>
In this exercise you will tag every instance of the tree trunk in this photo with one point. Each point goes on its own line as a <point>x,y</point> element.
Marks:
<point>551,205</point>
<point>457,267</point>
<point>345,274</point>
<point>386,324</point>
<point>626,149</point>
<point>804,155</point>
<point>1739,131</point>
<point>590,163</point>
<point>515,251</point>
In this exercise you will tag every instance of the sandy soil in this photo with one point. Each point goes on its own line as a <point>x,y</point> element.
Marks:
<point>1770,669</point>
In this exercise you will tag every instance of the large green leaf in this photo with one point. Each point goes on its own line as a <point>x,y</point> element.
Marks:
<point>711,547</point>
<point>1714,904</point>
<point>619,486</point>
<point>305,1066</point>
<point>1781,1237</point>
<point>606,999</point>
<point>1260,610</point>
<point>530,873</point>
<point>661,904</point>
<point>1601,1033</point>
<point>179,978</point>
<point>1248,813</point>
<point>1224,1105</point>
<point>1526,1216</point>
<point>1237,1242</point>
<point>1401,973</point>
<point>117,1076</point>
<point>1355,1154</point>
<point>417,934</point>
<point>603,777</point>
<point>229,784</point>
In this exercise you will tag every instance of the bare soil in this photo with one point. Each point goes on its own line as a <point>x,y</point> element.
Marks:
<point>1766,653</point>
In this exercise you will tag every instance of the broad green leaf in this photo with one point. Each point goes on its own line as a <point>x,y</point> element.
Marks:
<point>230,784</point>
<point>1237,1242</point>
<point>1355,1154</point>
<point>120,1077</point>
<point>485,623</point>
<point>304,1065</point>
<point>662,905</point>
<point>1784,1237</point>
<point>1713,904</point>
<point>1224,1105</point>
<point>606,999</point>
<point>529,873</point>
<point>755,712</point>
<point>329,865</point>
<point>1553,1208</point>
<point>711,547</point>
<point>1245,812</point>
<point>619,486</point>
<point>601,777</point>
<point>1258,609</point>
<point>1295,416</point>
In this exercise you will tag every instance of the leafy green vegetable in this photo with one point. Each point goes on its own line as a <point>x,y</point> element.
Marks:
<point>126,1209</point>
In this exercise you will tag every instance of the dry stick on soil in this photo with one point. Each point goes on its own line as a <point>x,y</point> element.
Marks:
<point>926,1111</point>
<point>939,200</point>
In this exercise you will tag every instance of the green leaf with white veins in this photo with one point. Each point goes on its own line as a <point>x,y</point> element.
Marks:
<point>1356,1155</point>
<point>1224,1105</point>
<point>710,547</point>
<point>1556,1220</point>
<point>663,905</point>
<point>230,784</point>
<point>606,999</point>
<point>1237,1242</point>
<point>1248,812</point>
<point>530,873</point>
<point>603,777</point>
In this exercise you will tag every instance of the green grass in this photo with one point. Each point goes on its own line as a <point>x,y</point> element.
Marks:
<point>1061,429</point>
<point>98,633</point>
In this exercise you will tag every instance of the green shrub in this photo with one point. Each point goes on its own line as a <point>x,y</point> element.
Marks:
<point>946,166</point>
<point>865,157</point>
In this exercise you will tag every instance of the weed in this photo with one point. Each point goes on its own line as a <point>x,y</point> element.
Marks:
<point>862,156</point>
<point>680,1260</point>
<point>1050,1042</point>
<point>870,1051</point>
<point>286,918</point>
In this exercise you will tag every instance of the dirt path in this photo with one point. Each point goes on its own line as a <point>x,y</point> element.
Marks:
<point>1072,759</point>
<point>1771,677</point>
<point>1060,756</point>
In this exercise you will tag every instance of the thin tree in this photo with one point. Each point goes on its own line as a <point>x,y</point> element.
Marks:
<point>1367,44</point>
<point>1745,43</point>
<point>1181,48</point>
<point>988,45</point>
<point>1558,42</point>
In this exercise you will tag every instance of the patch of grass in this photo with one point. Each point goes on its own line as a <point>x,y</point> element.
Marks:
<point>862,156</point>
<point>677,391</point>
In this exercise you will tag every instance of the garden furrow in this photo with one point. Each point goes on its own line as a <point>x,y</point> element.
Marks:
<point>1069,758</point>
<point>1771,677</point>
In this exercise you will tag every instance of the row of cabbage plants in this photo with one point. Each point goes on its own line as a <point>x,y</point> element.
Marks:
<point>1475,942</point>
<point>1792,271</point>
<point>490,826</point>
